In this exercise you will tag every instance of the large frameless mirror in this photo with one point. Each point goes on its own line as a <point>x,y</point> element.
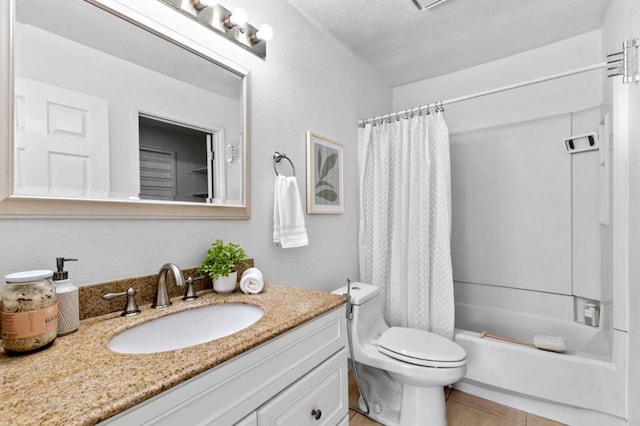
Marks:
<point>120,115</point>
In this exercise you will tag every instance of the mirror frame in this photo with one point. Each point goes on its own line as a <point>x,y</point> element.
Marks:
<point>21,206</point>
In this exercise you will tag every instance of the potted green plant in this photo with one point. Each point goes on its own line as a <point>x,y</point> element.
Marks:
<point>220,265</point>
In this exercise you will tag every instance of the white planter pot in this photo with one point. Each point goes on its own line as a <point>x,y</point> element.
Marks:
<point>225,285</point>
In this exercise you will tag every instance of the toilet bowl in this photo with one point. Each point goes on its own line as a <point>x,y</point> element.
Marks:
<point>402,371</point>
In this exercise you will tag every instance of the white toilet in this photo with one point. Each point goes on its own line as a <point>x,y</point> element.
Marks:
<point>402,371</point>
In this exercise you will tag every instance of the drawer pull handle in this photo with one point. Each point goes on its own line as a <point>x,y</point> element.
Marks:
<point>316,414</point>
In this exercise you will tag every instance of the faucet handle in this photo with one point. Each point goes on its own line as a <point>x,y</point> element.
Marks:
<point>130,307</point>
<point>190,293</point>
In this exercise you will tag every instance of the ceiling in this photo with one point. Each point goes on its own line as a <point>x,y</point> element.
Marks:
<point>407,45</point>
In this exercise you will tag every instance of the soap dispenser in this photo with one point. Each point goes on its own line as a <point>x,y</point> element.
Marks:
<point>68,303</point>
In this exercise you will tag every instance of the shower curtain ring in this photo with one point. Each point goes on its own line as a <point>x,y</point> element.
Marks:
<point>428,111</point>
<point>397,115</point>
<point>420,111</point>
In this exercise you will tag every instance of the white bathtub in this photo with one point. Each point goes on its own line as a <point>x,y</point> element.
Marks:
<point>583,386</point>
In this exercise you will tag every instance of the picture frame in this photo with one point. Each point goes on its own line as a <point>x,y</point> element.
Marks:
<point>325,175</point>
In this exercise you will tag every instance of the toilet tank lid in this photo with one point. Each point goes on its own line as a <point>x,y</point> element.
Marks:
<point>360,292</point>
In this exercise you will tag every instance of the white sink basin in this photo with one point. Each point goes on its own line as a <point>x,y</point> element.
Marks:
<point>186,328</point>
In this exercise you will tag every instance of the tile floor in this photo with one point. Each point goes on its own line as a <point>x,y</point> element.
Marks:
<point>462,410</point>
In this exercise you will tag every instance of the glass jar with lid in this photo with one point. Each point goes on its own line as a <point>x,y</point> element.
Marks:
<point>29,311</point>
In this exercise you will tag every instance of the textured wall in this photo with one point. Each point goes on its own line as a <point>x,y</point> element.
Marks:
<point>623,23</point>
<point>308,82</point>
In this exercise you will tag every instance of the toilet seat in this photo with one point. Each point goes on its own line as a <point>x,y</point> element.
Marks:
<point>421,348</point>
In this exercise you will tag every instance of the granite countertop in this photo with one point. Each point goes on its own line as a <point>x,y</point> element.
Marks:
<point>78,380</point>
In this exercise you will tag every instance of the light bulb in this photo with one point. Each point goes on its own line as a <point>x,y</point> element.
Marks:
<point>238,17</point>
<point>265,32</point>
<point>200,4</point>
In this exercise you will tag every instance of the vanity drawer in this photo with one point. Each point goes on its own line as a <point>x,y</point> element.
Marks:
<point>250,420</point>
<point>318,398</point>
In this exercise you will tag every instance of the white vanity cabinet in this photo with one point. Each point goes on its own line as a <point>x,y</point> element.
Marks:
<point>280,382</point>
<point>319,398</point>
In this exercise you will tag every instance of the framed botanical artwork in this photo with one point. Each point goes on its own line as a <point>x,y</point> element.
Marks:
<point>325,188</point>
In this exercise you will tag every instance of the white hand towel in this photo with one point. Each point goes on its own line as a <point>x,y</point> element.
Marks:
<point>288,219</point>
<point>251,281</point>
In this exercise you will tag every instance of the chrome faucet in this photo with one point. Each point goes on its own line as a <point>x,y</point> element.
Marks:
<point>162,296</point>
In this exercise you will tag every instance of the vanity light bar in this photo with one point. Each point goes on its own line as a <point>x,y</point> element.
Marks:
<point>232,24</point>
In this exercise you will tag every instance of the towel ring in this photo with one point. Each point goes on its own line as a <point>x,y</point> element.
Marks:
<point>277,157</point>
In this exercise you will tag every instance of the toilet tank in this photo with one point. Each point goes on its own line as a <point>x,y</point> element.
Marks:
<point>367,323</point>
<point>360,292</point>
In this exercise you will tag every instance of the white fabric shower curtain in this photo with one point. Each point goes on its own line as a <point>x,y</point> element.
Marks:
<point>405,220</point>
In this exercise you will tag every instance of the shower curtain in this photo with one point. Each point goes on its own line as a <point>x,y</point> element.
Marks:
<point>405,220</point>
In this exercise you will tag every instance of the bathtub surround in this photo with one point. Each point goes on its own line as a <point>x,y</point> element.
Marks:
<point>623,19</point>
<point>405,220</point>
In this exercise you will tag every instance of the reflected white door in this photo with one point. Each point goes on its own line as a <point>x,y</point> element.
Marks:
<point>61,142</point>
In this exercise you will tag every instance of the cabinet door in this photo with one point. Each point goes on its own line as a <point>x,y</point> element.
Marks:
<point>318,398</point>
<point>344,421</point>
<point>250,420</point>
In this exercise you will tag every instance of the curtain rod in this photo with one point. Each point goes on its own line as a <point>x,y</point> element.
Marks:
<point>440,104</point>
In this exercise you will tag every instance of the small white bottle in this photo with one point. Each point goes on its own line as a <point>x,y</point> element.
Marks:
<point>68,302</point>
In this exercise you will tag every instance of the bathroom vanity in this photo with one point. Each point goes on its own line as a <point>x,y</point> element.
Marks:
<point>290,367</point>
<point>282,381</point>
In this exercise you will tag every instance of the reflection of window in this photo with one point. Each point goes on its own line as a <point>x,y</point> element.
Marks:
<point>157,173</point>
<point>142,71</point>
<point>175,161</point>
